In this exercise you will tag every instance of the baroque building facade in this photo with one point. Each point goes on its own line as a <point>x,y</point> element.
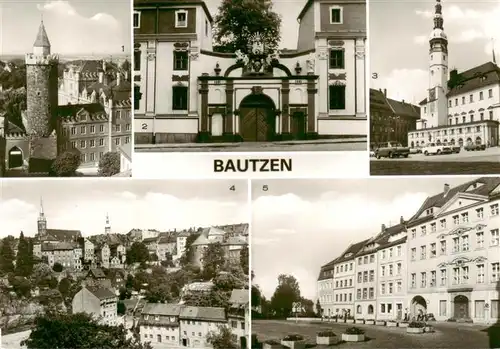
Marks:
<point>442,261</point>
<point>186,92</point>
<point>461,108</point>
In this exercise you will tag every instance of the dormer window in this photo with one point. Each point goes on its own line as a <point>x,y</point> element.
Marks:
<point>335,15</point>
<point>137,19</point>
<point>181,19</point>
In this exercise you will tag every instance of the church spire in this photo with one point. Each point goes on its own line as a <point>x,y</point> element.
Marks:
<point>438,16</point>
<point>42,221</point>
<point>41,207</point>
<point>107,227</point>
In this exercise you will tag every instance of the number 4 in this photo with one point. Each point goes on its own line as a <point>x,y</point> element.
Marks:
<point>232,188</point>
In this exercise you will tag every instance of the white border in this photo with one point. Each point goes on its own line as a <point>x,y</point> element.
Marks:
<point>138,13</point>
<point>336,7</point>
<point>177,18</point>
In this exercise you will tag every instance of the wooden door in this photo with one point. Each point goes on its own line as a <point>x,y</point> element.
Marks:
<point>461,307</point>
<point>254,125</point>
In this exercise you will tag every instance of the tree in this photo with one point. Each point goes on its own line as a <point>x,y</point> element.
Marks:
<point>6,257</point>
<point>237,20</point>
<point>66,164</point>
<point>125,293</point>
<point>137,253</point>
<point>13,103</point>
<point>287,292</point>
<point>24,260</point>
<point>64,287</point>
<point>256,296</point>
<point>56,330</point>
<point>222,339</point>
<point>109,164</point>
<point>244,259</point>
<point>121,308</point>
<point>40,272</point>
<point>21,286</point>
<point>213,260</point>
<point>57,267</point>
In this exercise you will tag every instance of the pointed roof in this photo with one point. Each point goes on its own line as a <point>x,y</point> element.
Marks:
<point>42,40</point>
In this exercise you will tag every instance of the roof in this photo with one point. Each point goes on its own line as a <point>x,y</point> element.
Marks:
<point>144,3</point>
<point>439,200</point>
<point>150,240</point>
<point>203,313</point>
<point>64,234</point>
<point>201,240</point>
<point>378,99</point>
<point>97,273</point>
<point>483,75</point>
<point>69,112</point>
<point>351,251</point>
<point>235,240</point>
<point>62,246</point>
<point>42,40</point>
<point>239,297</point>
<point>161,309</point>
<point>126,150</point>
<point>100,292</point>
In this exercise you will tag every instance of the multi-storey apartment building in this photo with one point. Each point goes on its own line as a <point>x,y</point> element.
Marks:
<point>326,295</point>
<point>99,302</point>
<point>454,251</point>
<point>344,280</point>
<point>366,280</point>
<point>391,273</point>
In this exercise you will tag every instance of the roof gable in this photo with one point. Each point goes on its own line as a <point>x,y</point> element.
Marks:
<point>459,201</point>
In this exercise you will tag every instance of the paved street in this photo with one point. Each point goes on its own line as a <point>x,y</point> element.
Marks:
<point>447,335</point>
<point>326,145</point>
<point>476,162</point>
<point>11,341</point>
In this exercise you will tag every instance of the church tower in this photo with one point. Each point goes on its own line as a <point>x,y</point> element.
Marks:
<point>437,107</point>
<point>107,227</point>
<point>41,87</point>
<point>42,222</point>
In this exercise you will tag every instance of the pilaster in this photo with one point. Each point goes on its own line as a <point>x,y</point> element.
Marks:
<point>150,77</point>
<point>204,135</point>
<point>285,112</point>
<point>228,116</point>
<point>322,71</point>
<point>311,110</point>
<point>194,72</point>
<point>360,87</point>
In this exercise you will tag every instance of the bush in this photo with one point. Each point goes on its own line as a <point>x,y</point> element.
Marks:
<point>416,324</point>
<point>326,334</point>
<point>66,164</point>
<point>391,320</point>
<point>272,342</point>
<point>57,267</point>
<point>354,330</point>
<point>109,164</point>
<point>293,337</point>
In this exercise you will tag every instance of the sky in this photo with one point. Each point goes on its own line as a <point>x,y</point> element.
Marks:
<point>299,225</point>
<point>73,27</point>
<point>82,204</point>
<point>399,47</point>
<point>289,11</point>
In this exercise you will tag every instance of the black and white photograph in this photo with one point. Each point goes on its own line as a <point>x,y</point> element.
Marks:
<point>250,76</point>
<point>123,263</point>
<point>434,87</point>
<point>376,263</point>
<point>65,88</point>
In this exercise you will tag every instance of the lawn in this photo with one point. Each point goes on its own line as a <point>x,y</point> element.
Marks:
<point>382,167</point>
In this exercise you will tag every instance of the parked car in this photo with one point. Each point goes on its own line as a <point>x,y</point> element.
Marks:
<point>416,150</point>
<point>473,147</point>
<point>436,149</point>
<point>454,148</point>
<point>391,150</point>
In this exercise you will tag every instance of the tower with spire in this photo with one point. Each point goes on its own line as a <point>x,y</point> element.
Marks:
<point>41,88</point>
<point>437,107</point>
<point>42,221</point>
<point>107,227</point>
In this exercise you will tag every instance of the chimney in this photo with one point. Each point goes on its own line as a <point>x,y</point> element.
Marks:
<point>446,189</point>
<point>385,92</point>
<point>383,228</point>
<point>401,220</point>
<point>403,101</point>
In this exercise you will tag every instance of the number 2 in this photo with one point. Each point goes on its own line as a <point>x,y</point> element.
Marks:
<point>144,126</point>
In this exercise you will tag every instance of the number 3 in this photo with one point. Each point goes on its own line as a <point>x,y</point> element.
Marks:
<point>374,76</point>
<point>144,126</point>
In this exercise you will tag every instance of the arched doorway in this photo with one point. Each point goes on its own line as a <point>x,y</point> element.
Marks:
<point>461,307</point>
<point>370,309</point>
<point>15,157</point>
<point>257,118</point>
<point>438,142</point>
<point>418,306</point>
<point>478,140</point>
<point>413,144</point>
<point>461,142</point>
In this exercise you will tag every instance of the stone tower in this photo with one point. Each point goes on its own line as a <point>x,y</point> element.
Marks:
<point>41,88</point>
<point>107,227</point>
<point>438,72</point>
<point>42,222</point>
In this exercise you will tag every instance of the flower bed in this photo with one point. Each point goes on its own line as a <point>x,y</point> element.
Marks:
<point>403,324</point>
<point>271,344</point>
<point>326,338</point>
<point>294,341</point>
<point>360,321</point>
<point>391,323</point>
<point>415,327</point>
<point>349,321</point>
<point>380,323</point>
<point>353,334</point>
<point>370,322</point>
<point>428,329</point>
